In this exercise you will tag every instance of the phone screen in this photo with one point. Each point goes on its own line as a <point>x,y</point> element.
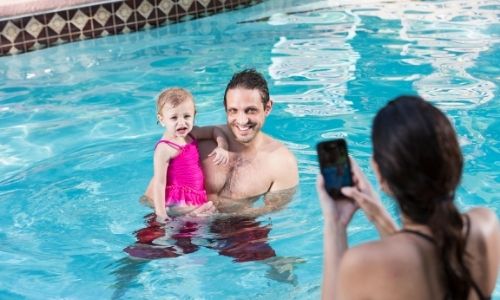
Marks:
<point>335,166</point>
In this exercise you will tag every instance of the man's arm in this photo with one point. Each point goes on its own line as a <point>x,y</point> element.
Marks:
<point>286,171</point>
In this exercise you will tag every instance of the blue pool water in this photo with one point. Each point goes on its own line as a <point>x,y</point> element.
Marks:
<point>77,127</point>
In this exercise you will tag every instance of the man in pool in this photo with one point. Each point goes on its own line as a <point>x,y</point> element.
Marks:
<point>259,166</point>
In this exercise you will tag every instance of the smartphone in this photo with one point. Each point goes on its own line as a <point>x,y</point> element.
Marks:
<point>334,165</point>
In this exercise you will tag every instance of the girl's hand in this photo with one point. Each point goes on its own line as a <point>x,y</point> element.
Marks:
<point>339,211</point>
<point>162,219</point>
<point>220,156</point>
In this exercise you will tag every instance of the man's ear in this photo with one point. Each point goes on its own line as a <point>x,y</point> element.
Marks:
<point>268,107</point>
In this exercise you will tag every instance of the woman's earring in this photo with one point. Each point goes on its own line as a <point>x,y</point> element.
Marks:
<point>385,188</point>
<point>382,187</point>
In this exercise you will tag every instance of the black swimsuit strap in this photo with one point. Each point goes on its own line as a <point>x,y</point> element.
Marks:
<point>420,234</point>
<point>479,292</point>
<point>431,240</point>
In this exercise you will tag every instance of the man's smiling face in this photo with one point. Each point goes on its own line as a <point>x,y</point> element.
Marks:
<point>245,113</point>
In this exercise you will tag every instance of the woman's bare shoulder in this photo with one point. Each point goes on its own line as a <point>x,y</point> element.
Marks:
<point>390,253</point>
<point>484,222</point>
<point>386,251</point>
<point>384,268</point>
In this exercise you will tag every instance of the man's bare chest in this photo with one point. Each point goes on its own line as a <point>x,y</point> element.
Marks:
<point>241,178</point>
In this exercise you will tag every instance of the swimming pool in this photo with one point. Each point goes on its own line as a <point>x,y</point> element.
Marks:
<point>78,127</point>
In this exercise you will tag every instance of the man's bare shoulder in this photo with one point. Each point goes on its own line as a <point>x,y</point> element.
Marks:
<point>282,164</point>
<point>278,150</point>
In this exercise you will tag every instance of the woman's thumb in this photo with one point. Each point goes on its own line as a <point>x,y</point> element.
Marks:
<point>348,191</point>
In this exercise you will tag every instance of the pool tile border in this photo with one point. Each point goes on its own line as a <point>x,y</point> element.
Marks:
<point>27,33</point>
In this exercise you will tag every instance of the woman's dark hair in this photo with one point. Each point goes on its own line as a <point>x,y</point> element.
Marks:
<point>418,155</point>
<point>249,79</point>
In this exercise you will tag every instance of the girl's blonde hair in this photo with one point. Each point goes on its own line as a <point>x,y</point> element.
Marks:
<point>173,96</point>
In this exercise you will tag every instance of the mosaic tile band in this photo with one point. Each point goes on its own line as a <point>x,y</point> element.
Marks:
<point>28,33</point>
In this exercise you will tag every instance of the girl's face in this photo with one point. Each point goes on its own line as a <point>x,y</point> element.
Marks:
<point>179,120</point>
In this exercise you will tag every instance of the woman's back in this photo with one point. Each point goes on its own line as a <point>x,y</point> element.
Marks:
<point>406,265</point>
<point>439,253</point>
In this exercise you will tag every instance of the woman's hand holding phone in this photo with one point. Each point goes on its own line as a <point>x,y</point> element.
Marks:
<point>335,173</point>
<point>344,183</point>
<point>363,195</point>
<point>334,166</point>
<point>339,211</point>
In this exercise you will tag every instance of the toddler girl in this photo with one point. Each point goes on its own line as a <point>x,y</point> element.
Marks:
<point>178,183</point>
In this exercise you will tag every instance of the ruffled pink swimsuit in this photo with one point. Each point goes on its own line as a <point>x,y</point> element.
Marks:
<point>185,182</point>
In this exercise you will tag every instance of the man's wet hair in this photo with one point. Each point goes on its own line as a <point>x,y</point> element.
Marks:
<point>249,79</point>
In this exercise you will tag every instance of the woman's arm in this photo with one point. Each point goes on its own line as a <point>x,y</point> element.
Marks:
<point>334,247</point>
<point>337,213</point>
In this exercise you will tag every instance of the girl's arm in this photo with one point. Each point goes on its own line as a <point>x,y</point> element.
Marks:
<point>220,153</point>
<point>161,159</point>
<point>211,133</point>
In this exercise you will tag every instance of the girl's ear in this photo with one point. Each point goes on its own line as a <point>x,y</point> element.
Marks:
<point>160,120</point>
<point>268,107</point>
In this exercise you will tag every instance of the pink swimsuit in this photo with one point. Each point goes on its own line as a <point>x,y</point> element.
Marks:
<point>185,181</point>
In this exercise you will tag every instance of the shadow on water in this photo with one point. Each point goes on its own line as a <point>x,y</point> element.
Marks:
<point>242,239</point>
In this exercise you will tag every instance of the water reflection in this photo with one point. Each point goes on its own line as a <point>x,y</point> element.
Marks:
<point>157,240</point>
<point>325,62</point>
<point>448,35</point>
<point>242,239</point>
